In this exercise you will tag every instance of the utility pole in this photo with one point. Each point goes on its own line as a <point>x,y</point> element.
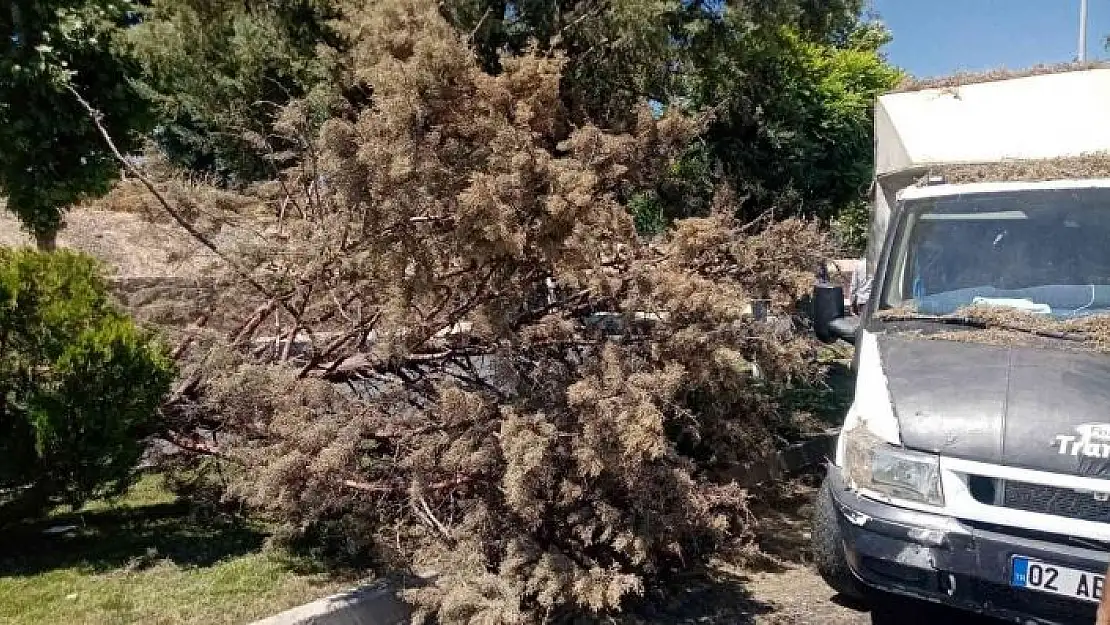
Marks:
<point>1082,31</point>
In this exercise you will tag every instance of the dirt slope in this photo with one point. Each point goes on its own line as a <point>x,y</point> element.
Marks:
<point>129,244</point>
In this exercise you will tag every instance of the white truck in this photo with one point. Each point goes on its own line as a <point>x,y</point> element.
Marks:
<point>976,473</point>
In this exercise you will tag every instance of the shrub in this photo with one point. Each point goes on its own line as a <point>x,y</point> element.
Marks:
<point>80,385</point>
<point>850,227</point>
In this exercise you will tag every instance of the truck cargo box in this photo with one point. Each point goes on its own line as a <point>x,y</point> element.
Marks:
<point>1047,116</point>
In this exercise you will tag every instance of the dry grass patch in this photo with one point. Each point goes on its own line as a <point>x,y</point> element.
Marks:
<point>128,244</point>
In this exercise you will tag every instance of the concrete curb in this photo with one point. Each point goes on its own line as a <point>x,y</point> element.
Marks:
<point>373,604</point>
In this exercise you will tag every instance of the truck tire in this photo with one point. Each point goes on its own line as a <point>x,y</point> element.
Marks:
<point>828,549</point>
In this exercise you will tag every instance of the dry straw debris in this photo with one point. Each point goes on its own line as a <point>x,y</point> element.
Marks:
<point>426,376</point>
<point>1086,166</point>
<point>1002,326</point>
<point>961,79</point>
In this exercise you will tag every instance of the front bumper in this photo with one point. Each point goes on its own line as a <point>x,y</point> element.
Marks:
<point>944,560</point>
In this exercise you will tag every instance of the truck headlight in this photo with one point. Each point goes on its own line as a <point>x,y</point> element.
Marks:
<point>873,464</point>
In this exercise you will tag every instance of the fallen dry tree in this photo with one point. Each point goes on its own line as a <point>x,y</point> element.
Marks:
<point>419,368</point>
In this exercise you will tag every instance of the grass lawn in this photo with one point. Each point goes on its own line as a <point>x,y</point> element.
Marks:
<point>146,559</point>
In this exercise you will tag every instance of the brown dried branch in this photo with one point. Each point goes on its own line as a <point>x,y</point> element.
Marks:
<point>246,330</point>
<point>336,343</point>
<point>188,341</point>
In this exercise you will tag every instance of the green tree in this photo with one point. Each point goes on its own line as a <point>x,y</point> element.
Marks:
<point>80,385</point>
<point>53,155</point>
<point>795,127</point>
<point>221,70</point>
<point>790,84</point>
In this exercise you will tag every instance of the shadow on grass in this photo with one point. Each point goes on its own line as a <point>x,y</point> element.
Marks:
<point>126,537</point>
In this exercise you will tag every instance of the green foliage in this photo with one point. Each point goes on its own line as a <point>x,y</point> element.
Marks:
<point>795,126</point>
<point>80,385</point>
<point>686,190</point>
<point>851,227</point>
<point>221,70</point>
<point>648,213</point>
<point>53,155</point>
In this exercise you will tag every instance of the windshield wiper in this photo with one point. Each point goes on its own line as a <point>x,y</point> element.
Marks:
<point>982,324</point>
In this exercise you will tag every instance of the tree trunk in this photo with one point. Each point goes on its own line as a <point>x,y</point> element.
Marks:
<point>46,241</point>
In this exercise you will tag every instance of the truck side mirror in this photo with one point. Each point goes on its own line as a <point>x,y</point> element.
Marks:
<point>845,328</point>
<point>829,320</point>
<point>828,304</point>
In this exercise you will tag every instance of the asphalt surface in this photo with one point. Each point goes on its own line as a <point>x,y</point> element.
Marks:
<point>790,595</point>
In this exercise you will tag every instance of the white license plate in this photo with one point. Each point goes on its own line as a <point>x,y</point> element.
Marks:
<point>1055,579</point>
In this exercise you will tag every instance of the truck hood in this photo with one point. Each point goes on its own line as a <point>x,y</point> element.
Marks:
<point>1024,407</point>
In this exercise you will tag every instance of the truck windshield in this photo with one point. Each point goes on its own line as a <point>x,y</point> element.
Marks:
<point>1044,251</point>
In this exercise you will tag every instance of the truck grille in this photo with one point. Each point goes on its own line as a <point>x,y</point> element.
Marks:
<point>1054,500</point>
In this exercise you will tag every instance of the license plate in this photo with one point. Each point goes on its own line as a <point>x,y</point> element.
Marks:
<point>1055,579</point>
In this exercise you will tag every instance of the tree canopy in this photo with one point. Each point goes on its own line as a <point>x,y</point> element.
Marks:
<point>788,84</point>
<point>220,71</point>
<point>795,116</point>
<point>53,155</point>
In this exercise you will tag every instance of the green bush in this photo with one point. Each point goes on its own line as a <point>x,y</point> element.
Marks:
<point>850,228</point>
<point>80,384</point>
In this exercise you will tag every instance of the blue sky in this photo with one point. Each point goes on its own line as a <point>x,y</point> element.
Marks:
<point>936,37</point>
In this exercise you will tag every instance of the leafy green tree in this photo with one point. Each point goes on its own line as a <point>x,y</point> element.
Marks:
<point>795,127</point>
<point>53,155</point>
<point>80,385</point>
<point>221,70</point>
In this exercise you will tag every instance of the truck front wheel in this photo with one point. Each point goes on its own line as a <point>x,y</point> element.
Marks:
<point>828,548</point>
